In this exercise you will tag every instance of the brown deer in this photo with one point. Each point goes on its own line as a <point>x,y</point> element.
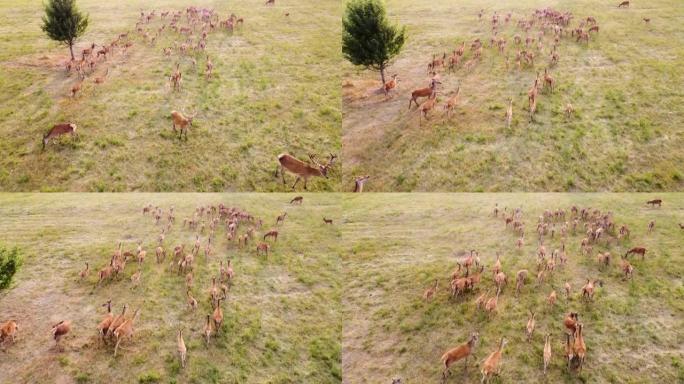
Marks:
<point>390,85</point>
<point>451,102</point>
<point>262,248</point>
<point>463,351</point>
<point>423,92</point>
<point>637,251</point>
<point>183,122</point>
<point>427,106</point>
<point>59,130</point>
<point>359,182</point>
<point>327,221</point>
<point>101,79</point>
<point>655,202</point>
<point>272,233</point>
<point>624,4</point>
<point>176,78</point>
<point>301,169</point>
<point>297,200</point>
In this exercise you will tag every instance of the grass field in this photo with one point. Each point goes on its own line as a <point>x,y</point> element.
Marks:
<point>281,320</point>
<point>276,89</point>
<point>398,244</point>
<point>625,88</point>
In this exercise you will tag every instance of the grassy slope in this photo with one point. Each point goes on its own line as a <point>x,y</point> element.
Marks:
<point>625,88</point>
<point>276,90</point>
<point>281,325</point>
<point>398,244</point>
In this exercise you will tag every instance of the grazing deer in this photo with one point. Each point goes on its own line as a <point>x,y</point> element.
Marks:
<point>637,251</point>
<point>359,181</point>
<point>423,92</point>
<point>297,200</point>
<point>301,169</point>
<point>655,202</point>
<point>624,4</point>
<point>272,233</point>
<point>59,130</point>
<point>646,20</point>
<point>262,248</point>
<point>270,2</point>
<point>183,122</point>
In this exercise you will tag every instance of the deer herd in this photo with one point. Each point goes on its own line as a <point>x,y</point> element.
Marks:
<point>239,229</point>
<point>535,37</point>
<point>600,233</point>
<point>189,29</point>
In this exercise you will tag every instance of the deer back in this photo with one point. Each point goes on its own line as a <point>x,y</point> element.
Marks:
<point>297,166</point>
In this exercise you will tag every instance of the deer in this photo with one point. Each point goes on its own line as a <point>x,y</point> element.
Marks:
<point>646,20</point>
<point>548,80</point>
<point>463,351</point>
<point>270,2</point>
<point>490,366</point>
<point>637,251</point>
<point>423,92</point>
<point>76,88</point>
<point>627,269</point>
<point>272,233</point>
<point>125,330</point>
<point>579,347</point>
<point>529,329</point>
<point>509,114</point>
<point>192,302</point>
<point>210,67</point>
<point>8,329</point>
<point>182,350</point>
<point>297,200</point>
<point>217,316</point>
<point>60,330</point>
<point>183,123</point>
<point>262,248</point>
<point>451,102</point>
<point>570,322</point>
<point>327,221</point>
<point>547,352</point>
<point>390,85</point>
<point>176,78</point>
<point>624,4</point>
<point>116,322</point>
<point>359,182</point>
<point>427,106</point>
<point>588,289</point>
<point>655,202</point>
<point>85,272</point>
<point>101,79</point>
<point>301,169</point>
<point>207,329</point>
<point>430,292</point>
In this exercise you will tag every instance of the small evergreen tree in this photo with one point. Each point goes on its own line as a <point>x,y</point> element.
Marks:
<point>64,23</point>
<point>368,39</point>
<point>9,263</point>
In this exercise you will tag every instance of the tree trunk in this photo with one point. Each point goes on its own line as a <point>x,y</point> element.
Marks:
<point>71,49</point>
<point>382,75</point>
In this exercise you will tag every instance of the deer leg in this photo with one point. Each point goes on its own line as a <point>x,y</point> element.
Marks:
<point>305,181</point>
<point>295,183</point>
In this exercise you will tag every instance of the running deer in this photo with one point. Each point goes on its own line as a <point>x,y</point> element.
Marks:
<point>423,92</point>
<point>183,122</point>
<point>655,202</point>
<point>301,169</point>
<point>59,130</point>
<point>490,366</point>
<point>427,106</point>
<point>451,102</point>
<point>463,351</point>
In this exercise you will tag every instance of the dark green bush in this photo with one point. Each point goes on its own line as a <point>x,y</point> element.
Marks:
<point>9,263</point>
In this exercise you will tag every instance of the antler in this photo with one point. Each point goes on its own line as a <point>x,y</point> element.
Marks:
<point>313,159</point>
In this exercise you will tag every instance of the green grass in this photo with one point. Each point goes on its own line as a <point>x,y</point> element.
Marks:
<point>281,321</point>
<point>626,133</point>
<point>275,89</point>
<point>397,244</point>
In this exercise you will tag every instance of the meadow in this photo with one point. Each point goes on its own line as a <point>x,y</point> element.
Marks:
<point>625,133</point>
<point>275,89</point>
<point>281,323</point>
<point>397,245</point>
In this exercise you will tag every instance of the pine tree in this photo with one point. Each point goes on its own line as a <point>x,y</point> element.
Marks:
<point>368,39</point>
<point>64,23</point>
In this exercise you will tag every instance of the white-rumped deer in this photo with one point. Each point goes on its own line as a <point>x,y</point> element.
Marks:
<point>59,130</point>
